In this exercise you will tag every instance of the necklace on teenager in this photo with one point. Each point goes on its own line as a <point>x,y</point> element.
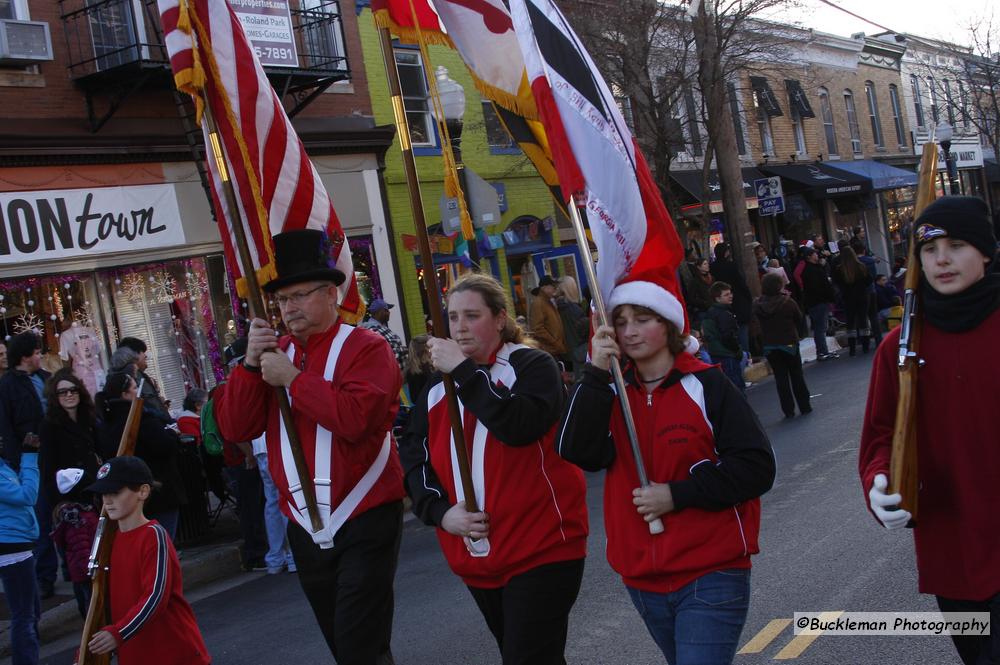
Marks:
<point>659,378</point>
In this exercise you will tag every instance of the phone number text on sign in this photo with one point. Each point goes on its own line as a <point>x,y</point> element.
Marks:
<point>268,26</point>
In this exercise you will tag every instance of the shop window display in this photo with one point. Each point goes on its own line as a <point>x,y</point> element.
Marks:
<point>173,307</point>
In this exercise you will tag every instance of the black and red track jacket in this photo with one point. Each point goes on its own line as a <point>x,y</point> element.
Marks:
<point>535,499</point>
<point>698,434</point>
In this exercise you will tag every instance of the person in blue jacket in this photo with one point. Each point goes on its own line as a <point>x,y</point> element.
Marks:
<point>18,533</point>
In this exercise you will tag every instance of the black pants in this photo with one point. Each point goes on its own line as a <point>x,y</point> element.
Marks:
<point>529,617</point>
<point>250,504</point>
<point>350,586</point>
<point>973,649</point>
<point>789,381</point>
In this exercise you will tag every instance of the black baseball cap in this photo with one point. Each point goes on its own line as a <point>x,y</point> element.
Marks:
<point>119,472</point>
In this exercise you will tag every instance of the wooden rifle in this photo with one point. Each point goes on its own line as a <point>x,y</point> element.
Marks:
<point>903,463</point>
<point>99,563</point>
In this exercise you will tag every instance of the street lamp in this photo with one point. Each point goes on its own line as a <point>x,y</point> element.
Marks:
<point>944,133</point>
<point>453,107</point>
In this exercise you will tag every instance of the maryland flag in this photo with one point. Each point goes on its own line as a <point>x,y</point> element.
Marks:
<point>594,153</point>
<point>276,185</point>
<point>480,30</point>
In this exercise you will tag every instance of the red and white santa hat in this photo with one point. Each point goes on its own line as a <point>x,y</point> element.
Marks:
<point>655,288</point>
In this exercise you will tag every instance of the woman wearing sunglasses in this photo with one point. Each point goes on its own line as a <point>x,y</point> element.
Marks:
<point>69,437</point>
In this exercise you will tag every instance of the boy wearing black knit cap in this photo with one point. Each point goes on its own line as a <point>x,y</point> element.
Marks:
<point>956,536</point>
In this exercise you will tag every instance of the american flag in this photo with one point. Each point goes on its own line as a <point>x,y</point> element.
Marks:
<point>277,187</point>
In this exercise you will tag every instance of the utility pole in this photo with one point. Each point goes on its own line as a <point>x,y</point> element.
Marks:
<point>722,133</point>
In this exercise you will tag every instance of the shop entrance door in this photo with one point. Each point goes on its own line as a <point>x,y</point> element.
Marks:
<point>561,262</point>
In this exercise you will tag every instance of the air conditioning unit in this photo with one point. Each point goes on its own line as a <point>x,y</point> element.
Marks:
<point>24,42</point>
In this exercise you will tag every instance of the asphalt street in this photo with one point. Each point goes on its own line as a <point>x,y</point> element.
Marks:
<point>820,551</point>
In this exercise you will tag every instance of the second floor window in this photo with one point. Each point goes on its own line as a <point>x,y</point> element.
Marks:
<point>797,132</point>
<point>897,115</point>
<point>764,125</point>
<point>963,99</point>
<point>852,122</point>
<point>918,102</point>
<point>826,111</point>
<point>873,114</point>
<point>414,86</point>
<point>950,102</point>
<point>691,117</point>
<point>734,108</point>
<point>934,104</point>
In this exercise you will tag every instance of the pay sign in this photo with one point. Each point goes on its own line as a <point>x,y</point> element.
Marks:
<point>769,196</point>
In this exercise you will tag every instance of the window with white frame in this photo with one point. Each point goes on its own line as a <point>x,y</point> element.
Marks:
<point>949,102</point>
<point>826,112</point>
<point>413,83</point>
<point>764,126</point>
<point>873,114</point>
<point>918,102</point>
<point>797,132</point>
<point>852,122</point>
<point>14,9</point>
<point>897,115</point>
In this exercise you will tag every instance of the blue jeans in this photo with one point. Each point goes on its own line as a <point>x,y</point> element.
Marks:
<point>700,623</point>
<point>732,368</point>
<point>275,522</point>
<point>46,559</point>
<point>818,315</point>
<point>21,591</point>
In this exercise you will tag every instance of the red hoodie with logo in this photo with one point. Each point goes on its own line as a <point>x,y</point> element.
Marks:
<point>696,433</point>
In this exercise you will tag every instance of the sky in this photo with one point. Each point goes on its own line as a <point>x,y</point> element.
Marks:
<point>939,19</point>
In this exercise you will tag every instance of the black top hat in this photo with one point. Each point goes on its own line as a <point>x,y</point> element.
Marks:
<point>303,255</point>
<point>118,472</point>
<point>544,281</point>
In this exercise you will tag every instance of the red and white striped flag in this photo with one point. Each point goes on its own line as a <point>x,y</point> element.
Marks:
<point>277,187</point>
<point>594,152</point>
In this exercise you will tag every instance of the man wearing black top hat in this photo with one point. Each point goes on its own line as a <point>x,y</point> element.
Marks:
<point>343,383</point>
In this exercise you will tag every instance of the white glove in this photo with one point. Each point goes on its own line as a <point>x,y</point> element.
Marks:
<point>883,503</point>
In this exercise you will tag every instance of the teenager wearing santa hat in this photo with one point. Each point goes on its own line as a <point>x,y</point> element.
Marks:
<point>708,460</point>
<point>956,532</point>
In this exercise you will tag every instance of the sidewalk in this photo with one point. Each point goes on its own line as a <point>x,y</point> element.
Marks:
<point>217,557</point>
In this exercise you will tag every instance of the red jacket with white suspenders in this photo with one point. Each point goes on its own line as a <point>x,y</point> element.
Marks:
<point>343,404</point>
<point>536,500</point>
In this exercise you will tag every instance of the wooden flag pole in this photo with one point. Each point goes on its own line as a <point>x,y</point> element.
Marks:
<point>656,526</point>
<point>256,303</point>
<point>431,288</point>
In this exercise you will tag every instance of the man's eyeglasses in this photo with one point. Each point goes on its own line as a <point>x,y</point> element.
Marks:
<point>62,392</point>
<point>297,298</point>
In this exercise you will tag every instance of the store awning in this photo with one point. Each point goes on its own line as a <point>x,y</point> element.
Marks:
<point>820,180</point>
<point>691,181</point>
<point>883,176</point>
<point>992,167</point>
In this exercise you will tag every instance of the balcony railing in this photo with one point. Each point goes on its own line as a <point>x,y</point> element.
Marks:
<point>112,40</point>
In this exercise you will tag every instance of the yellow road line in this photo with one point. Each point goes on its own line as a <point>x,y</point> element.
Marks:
<point>765,636</point>
<point>795,648</point>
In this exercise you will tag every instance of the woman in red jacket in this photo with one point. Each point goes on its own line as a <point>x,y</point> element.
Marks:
<point>522,554</point>
<point>708,460</point>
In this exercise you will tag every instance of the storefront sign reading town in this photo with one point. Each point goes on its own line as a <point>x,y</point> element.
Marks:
<point>268,26</point>
<point>61,223</point>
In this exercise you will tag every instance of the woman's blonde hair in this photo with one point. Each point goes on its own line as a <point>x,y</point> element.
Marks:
<point>496,300</point>
<point>569,289</point>
<point>419,359</point>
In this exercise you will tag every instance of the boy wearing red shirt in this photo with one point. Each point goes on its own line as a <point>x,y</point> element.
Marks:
<point>148,609</point>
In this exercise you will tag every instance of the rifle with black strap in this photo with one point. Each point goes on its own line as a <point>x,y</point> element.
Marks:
<point>100,552</point>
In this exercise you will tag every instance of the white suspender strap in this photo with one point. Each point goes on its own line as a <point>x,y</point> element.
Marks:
<point>324,438</point>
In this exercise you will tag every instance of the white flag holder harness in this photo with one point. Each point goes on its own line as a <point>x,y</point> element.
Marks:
<point>333,518</point>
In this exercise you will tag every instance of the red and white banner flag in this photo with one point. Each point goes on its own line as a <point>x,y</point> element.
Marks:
<point>482,31</point>
<point>593,150</point>
<point>277,187</point>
